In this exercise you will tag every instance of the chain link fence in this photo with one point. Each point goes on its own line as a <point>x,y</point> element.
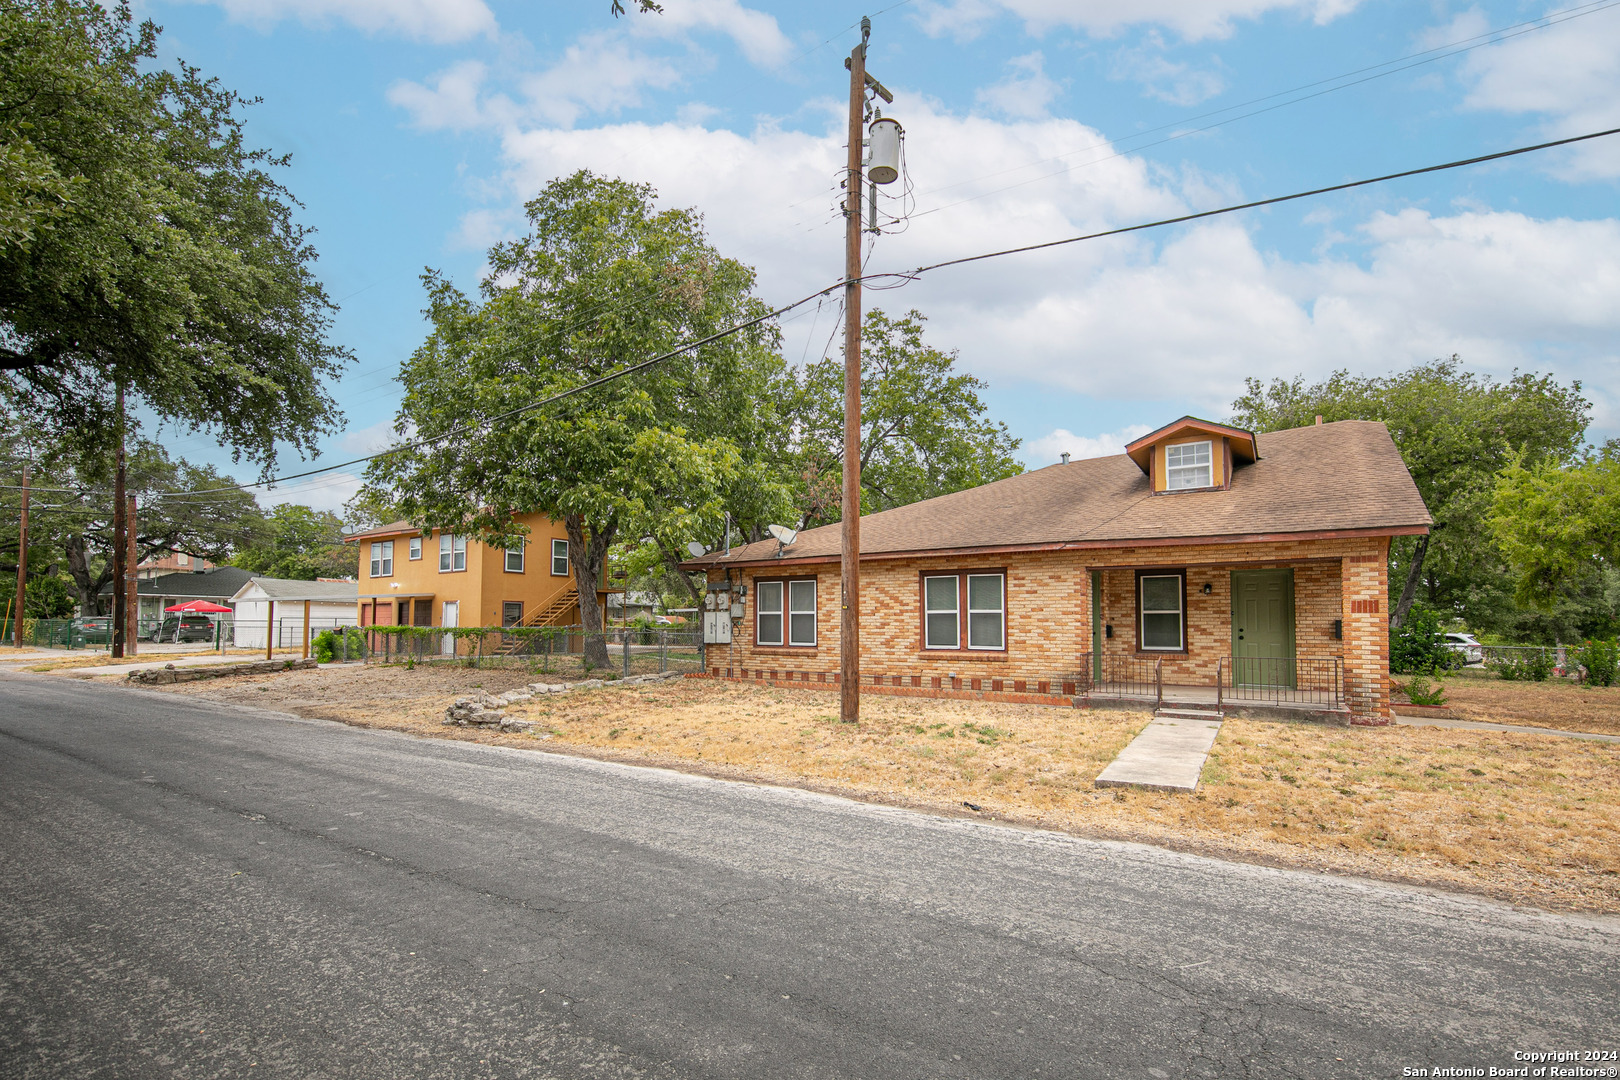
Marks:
<point>564,651</point>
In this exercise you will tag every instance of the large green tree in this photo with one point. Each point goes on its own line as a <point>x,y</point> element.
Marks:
<point>1455,430</point>
<point>71,520</point>
<point>143,244</point>
<point>602,280</point>
<point>923,426</point>
<point>299,543</point>
<point>1559,526</point>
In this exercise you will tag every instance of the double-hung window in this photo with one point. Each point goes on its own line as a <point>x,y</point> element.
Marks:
<point>788,606</point>
<point>1161,600</point>
<point>452,553</point>
<point>416,547</point>
<point>970,606</point>
<point>382,558</point>
<point>559,558</point>
<point>514,558</point>
<point>1189,465</point>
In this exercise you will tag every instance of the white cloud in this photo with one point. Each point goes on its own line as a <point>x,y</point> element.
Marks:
<point>1191,19</point>
<point>1568,74</point>
<point>600,73</point>
<point>1026,92</point>
<point>1175,83</point>
<point>328,492</point>
<point>754,32</point>
<point>424,20</point>
<point>1049,448</point>
<point>1182,314</point>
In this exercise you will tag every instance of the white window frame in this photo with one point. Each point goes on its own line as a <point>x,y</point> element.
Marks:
<point>413,551</point>
<point>382,558</point>
<point>1000,646</point>
<point>796,611</point>
<point>761,612</point>
<point>1180,611</point>
<point>452,553</point>
<point>555,556</point>
<point>1177,472</point>
<point>522,545</point>
<point>955,612</point>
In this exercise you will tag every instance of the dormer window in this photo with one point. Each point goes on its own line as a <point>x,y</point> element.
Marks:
<point>1189,465</point>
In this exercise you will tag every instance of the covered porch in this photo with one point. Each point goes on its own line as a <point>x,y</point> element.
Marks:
<point>1229,637</point>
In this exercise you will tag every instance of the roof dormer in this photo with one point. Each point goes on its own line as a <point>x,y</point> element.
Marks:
<point>1192,455</point>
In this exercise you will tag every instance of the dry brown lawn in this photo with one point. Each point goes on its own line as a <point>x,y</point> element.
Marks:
<point>1525,817</point>
<point>1555,703</point>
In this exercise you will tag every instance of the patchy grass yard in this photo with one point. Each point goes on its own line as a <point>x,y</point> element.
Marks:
<point>1555,703</point>
<point>1524,817</point>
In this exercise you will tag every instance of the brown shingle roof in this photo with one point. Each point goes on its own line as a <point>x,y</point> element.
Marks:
<point>1324,478</point>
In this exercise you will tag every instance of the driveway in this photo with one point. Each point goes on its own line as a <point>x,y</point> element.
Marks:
<point>197,890</point>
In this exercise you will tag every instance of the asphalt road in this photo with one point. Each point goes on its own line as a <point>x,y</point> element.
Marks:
<point>191,890</point>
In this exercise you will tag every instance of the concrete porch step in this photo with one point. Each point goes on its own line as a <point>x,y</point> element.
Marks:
<point>1177,712</point>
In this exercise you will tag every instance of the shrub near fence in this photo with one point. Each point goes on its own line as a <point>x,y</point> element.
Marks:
<point>558,650</point>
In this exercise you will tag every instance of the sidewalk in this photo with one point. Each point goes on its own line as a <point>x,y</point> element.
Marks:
<point>143,660</point>
<point>1486,725</point>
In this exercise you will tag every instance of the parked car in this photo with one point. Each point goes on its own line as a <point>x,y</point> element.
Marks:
<point>93,629</point>
<point>184,628</point>
<point>1472,651</point>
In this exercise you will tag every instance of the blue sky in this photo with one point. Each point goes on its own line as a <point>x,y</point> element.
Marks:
<point>418,128</point>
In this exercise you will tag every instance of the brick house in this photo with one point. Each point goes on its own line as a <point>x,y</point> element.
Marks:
<point>1204,565</point>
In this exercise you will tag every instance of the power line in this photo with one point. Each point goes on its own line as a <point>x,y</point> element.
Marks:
<point>907,275</point>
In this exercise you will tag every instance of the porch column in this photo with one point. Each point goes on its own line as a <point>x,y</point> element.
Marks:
<point>1364,587</point>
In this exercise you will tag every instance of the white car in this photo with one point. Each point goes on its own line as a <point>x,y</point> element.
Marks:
<point>1472,651</point>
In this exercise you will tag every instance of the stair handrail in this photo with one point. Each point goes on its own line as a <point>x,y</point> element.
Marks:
<point>1158,682</point>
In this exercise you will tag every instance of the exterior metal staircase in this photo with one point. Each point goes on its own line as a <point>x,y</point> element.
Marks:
<point>549,614</point>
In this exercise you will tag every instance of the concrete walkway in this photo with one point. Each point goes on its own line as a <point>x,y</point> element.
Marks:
<point>1167,756</point>
<point>1485,725</point>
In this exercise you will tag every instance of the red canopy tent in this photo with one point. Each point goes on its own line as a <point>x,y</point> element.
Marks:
<point>203,607</point>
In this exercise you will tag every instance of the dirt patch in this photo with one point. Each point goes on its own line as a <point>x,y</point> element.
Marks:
<point>1524,817</point>
<point>1555,703</point>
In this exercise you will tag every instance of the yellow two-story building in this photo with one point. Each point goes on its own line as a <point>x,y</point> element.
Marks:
<point>413,578</point>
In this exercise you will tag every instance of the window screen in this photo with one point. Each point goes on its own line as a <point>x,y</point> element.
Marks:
<point>559,558</point>
<point>382,559</point>
<point>1188,466</point>
<point>514,559</point>
<point>768,605</point>
<point>1161,611</point>
<point>941,617</point>
<point>452,553</point>
<point>987,611</point>
<point>416,547</point>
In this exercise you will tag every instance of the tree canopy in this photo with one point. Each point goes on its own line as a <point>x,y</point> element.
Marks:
<point>143,244</point>
<point>1455,430</point>
<point>1558,526</point>
<point>298,543</point>
<point>602,280</point>
<point>923,428</point>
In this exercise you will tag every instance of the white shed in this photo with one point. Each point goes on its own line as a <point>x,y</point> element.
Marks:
<point>331,604</point>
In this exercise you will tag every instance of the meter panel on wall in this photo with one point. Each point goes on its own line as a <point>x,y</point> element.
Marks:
<point>717,627</point>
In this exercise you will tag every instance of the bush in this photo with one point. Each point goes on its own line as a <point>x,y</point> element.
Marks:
<point>327,646</point>
<point>1529,665</point>
<point>1601,659</point>
<point>1419,691</point>
<point>1418,645</point>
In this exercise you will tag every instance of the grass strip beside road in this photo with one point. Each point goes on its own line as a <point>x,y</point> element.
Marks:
<point>1530,818</point>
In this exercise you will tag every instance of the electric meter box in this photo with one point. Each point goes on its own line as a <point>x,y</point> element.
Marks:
<point>717,627</point>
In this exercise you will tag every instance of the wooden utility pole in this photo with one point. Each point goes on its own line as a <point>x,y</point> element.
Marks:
<point>849,661</point>
<point>120,544</point>
<point>22,559</point>
<point>132,590</point>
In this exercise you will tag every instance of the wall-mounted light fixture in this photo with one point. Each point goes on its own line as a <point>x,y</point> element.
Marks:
<point>1208,588</point>
<point>1338,629</point>
<point>1108,631</point>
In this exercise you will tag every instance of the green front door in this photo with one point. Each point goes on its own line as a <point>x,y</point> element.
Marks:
<point>1262,627</point>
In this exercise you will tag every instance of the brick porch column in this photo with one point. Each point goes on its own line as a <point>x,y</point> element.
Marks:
<point>1364,584</point>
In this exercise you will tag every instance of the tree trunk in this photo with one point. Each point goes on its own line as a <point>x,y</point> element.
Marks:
<point>589,558</point>
<point>1413,574</point>
<point>672,563</point>
<point>78,568</point>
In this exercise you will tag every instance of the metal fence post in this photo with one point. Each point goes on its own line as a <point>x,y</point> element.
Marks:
<point>625,636</point>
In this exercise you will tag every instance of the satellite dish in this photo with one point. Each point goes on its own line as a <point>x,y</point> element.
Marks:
<point>784,535</point>
<point>697,549</point>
